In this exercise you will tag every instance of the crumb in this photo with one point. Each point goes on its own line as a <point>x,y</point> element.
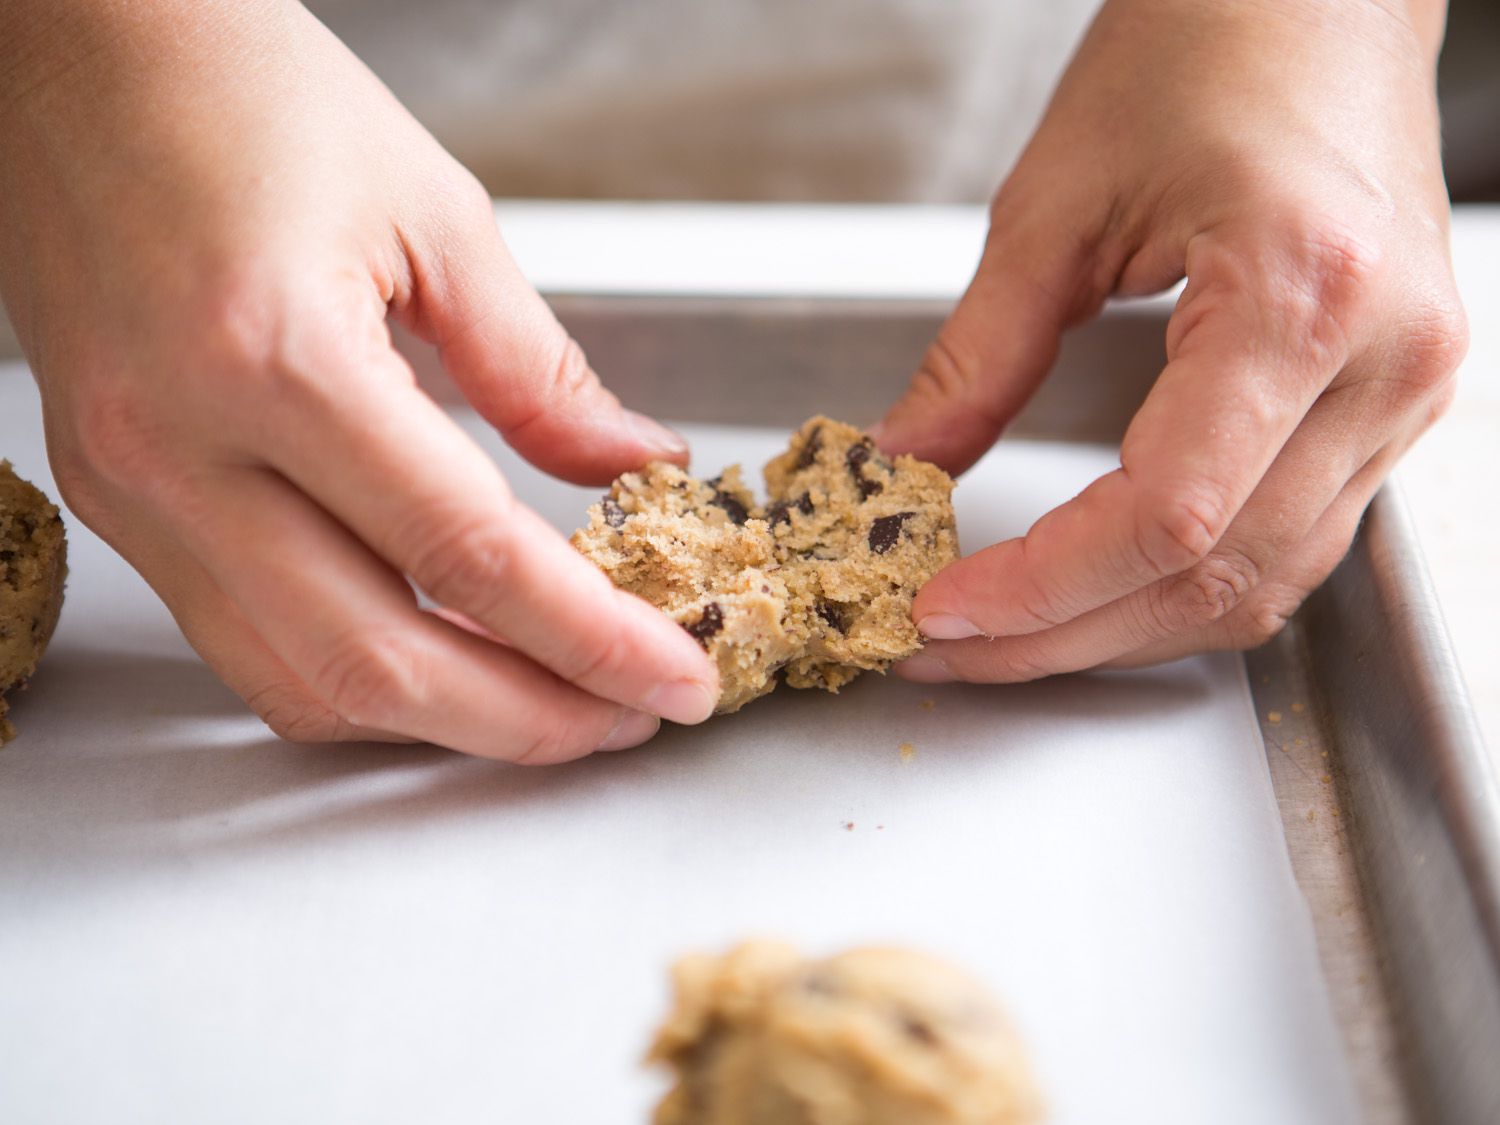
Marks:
<point>1312,816</point>
<point>1273,716</point>
<point>848,826</point>
<point>1326,779</point>
<point>1298,708</point>
<point>928,704</point>
<point>908,751</point>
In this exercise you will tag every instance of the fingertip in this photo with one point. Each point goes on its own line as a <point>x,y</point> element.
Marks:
<point>661,443</point>
<point>682,701</point>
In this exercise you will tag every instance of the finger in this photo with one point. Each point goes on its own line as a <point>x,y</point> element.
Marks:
<point>219,633</point>
<point>1265,613</point>
<point>1032,281</point>
<point>1248,354</point>
<point>388,464</point>
<point>350,630</point>
<point>515,363</point>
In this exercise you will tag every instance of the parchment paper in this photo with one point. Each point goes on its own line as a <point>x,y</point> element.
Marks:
<point>201,924</point>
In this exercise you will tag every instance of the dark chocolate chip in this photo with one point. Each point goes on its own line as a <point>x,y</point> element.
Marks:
<point>857,456</point>
<point>833,614</point>
<point>868,488</point>
<point>781,511</point>
<point>708,625</point>
<point>736,511</point>
<point>810,448</point>
<point>614,515</point>
<point>885,531</point>
<point>920,1030</point>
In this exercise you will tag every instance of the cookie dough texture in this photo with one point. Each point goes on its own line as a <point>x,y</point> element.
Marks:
<point>815,584</point>
<point>761,1036</point>
<point>33,566</point>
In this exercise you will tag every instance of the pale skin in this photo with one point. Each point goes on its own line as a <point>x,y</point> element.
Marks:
<point>211,209</point>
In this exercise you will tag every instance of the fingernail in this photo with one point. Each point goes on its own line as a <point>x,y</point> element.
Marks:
<point>947,627</point>
<point>682,701</point>
<point>633,729</point>
<point>648,431</point>
<point>924,669</point>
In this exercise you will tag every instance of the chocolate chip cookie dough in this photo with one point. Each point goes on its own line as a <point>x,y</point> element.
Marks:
<point>761,1036</point>
<point>33,565</point>
<point>816,583</point>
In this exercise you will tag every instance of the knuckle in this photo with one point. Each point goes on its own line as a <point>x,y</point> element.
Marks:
<point>1432,345</point>
<point>118,439</point>
<point>948,370</point>
<point>463,563</point>
<point>296,717</point>
<point>1206,592</point>
<point>1015,660</point>
<point>603,657</point>
<point>559,741</point>
<point>372,678</point>
<point>1263,618</point>
<point>1182,527</point>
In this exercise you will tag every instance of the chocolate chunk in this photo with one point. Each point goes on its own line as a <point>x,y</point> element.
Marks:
<point>857,456</point>
<point>736,511</point>
<point>781,511</point>
<point>885,531</point>
<point>920,1030</point>
<point>833,614</point>
<point>708,625</point>
<point>614,515</point>
<point>810,448</point>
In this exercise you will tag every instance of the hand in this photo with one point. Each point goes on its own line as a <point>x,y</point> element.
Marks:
<point>1284,158</point>
<point>208,212</point>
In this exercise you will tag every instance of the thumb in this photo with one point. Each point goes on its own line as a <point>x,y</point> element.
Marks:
<point>516,364</point>
<point>997,344</point>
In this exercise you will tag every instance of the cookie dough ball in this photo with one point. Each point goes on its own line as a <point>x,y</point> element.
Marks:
<point>818,581</point>
<point>33,565</point>
<point>761,1036</point>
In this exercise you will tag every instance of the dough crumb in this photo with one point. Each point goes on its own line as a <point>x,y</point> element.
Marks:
<point>33,568</point>
<point>1273,717</point>
<point>928,704</point>
<point>908,751</point>
<point>762,1036</point>
<point>814,586</point>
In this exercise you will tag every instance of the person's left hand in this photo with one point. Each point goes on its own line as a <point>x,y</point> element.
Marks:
<point>1286,161</point>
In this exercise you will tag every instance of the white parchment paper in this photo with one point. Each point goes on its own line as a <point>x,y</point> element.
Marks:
<point>199,923</point>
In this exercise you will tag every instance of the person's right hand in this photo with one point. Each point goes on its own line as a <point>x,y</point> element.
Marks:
<point>207,213</point>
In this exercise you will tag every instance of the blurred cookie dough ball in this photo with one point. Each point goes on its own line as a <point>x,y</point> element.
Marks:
<point>33,566</point>
<point>762,1036</point>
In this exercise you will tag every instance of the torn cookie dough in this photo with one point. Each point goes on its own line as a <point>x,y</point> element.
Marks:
<point>761,1036</point>
<point>816,583</point>
<point>33,566</point>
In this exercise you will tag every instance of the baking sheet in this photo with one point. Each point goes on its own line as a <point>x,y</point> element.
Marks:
<point>199,923</point>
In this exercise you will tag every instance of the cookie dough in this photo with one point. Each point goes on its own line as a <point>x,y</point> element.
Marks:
<point>816,583</point>
<point>33,565</point>
<point>761,1036</point>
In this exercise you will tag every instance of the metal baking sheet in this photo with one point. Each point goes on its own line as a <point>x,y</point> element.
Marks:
<point>140,856</point>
